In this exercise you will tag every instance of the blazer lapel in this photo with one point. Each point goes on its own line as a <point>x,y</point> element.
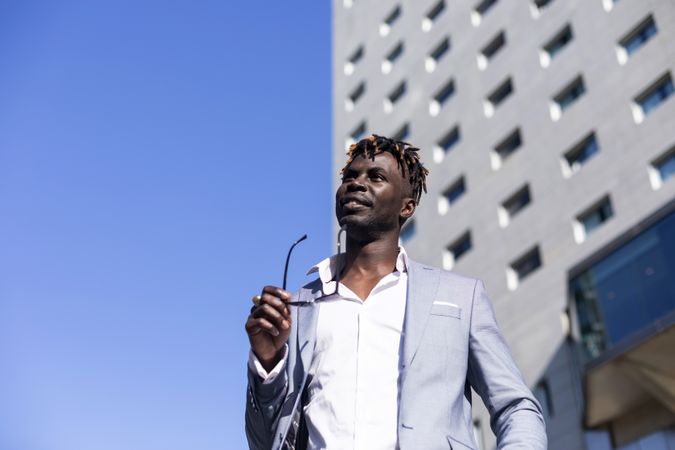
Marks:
<point>422,286</point>
<point>306,320</point>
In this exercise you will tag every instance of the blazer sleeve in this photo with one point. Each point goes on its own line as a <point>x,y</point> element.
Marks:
<point>263,406</point>
<point>515,415</point>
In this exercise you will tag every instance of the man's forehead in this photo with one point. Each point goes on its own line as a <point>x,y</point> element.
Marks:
<point>382,159</point>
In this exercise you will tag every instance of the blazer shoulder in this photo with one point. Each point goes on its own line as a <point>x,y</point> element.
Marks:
<point>308,289</point>
<point>447,276</point>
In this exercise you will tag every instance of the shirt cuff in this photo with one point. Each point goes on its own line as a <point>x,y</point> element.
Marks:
<point>267,377</point>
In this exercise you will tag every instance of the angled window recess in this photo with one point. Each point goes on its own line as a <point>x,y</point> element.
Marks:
<point>353,60</point>
<point>432,15</point>
<point>543,393</point>
<point>356,134</point>
<point>608,4</point>
<point>566,97</point>
<point>392,57</point>
<point>652,97</point>
<point>662,169</point>
<point>453,193</point>
<point>537,7</point>
<point>513,205</point>
<point>636,38</point>
<point>579,154</point>
<point>490,50</point>
<point>456,250</point>
<point>355,95</point>
<point>402,133</point>
<point>478,434</point>
<point>431,61</point>
<point>551,49</point>
<point>446,143</point>
<point>504,149</point>
<point>441,96</point>
<point>480,11</point>
<point>501,93</point>
<point>408,231</point>
<point>523,267</point>
<point>385,27</point>
<point>590,219</point>
<point>394,96</point>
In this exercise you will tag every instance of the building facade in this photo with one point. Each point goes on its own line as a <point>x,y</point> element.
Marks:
<point>548,127</point>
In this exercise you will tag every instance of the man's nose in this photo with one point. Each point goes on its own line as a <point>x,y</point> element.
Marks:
<point>356,184</point>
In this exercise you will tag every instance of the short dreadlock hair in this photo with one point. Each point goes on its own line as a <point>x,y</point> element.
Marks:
<point>406,156</point>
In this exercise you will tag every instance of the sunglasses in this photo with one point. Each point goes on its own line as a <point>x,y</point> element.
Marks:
<point>337,272</point>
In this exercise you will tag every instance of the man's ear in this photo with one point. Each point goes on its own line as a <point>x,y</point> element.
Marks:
<point>407,208</point>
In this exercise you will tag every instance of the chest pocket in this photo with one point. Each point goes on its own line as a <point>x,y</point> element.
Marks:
<point>446,309</point>
<point>446,326</point>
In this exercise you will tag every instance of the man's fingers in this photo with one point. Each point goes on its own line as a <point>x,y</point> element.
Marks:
<point>277,292</point>
<point>264,325</point>
<point>277,304</point>
<point>273,315</point>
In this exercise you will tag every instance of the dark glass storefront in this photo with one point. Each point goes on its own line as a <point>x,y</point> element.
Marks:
<point>628,289</point>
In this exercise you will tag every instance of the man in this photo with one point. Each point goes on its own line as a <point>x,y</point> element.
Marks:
<point>381,352</point>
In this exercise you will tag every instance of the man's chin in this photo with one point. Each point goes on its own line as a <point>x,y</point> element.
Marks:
<point>352,221</point>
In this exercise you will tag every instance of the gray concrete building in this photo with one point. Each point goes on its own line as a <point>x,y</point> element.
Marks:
<point>548,127</point>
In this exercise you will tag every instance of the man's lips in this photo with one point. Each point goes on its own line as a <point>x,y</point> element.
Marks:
<point>354,201</point>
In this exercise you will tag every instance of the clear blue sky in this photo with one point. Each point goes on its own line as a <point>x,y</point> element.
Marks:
<point>157,159</point>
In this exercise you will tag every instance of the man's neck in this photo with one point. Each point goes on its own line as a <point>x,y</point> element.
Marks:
<point>366,263</point>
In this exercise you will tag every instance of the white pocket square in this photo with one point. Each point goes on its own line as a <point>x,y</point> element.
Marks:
<point>440,308</point>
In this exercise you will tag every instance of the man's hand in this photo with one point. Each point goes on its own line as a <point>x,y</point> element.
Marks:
<point>269,325</point>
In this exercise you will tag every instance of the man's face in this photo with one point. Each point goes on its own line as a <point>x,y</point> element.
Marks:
<point>373,196</point>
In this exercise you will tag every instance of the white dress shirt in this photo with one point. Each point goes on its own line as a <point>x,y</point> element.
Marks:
<point>353,395</point>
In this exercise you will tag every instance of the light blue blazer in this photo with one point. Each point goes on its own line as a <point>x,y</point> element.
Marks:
<point>447,350</point>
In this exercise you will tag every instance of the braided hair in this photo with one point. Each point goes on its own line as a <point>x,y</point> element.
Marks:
<point>406,156</point>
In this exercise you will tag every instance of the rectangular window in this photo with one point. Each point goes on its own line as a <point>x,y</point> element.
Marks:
<point>394,96</point>
<point>441,96</point>
<point>589,220</point>
<point>577,156</point>
<point>432,15</point>
<point>608,4</point>
<point>391,58</point>
<point>662,169</point>
<point>436,54</point>
<point>505,148</point>
<point>402,133</point>
<point>480,10</point>
<point>478,435</point>
<point>537,7</point>
<point>408,231</point>
<point>491,49</point>
<point>629,288</point>
<point>353,60</point>
<point>497,97</point>
<point>456,250</point>
<point>385,27</point>
<point>450,196</point>
<point>514,205</point>
<point>523,267</point>
<point>448,141</point>
<point>356,134</point>
<point>555,45</point>
<point>356,94</point>
<point>652,97</point>
<point>542,393</point>
<point>567,97</point>
<point>637,37</point>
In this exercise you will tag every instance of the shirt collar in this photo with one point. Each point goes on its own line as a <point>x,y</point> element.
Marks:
<point>328,266</point>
